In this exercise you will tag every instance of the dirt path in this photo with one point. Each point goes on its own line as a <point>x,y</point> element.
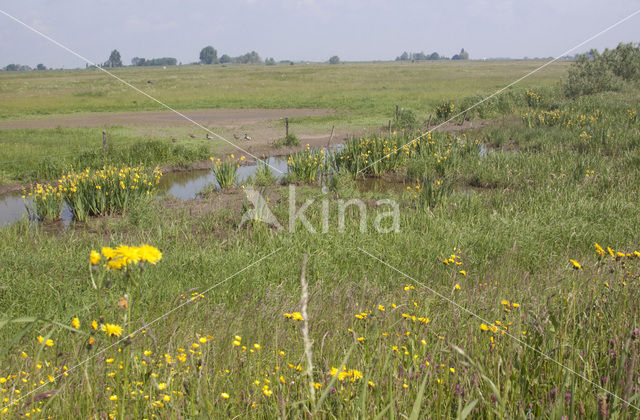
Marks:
<point>206,117</point>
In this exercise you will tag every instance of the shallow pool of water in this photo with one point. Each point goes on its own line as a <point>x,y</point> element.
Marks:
<point>187,184</point>
<point>183,185</point>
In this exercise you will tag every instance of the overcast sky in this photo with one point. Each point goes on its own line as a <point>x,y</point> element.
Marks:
<point>310,30</point>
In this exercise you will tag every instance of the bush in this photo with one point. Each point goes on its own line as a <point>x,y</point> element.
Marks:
<point>445,110</point>
<point>405,120</point>
<point>44,202</point>
<point>263,176</point>
<point>533,99</point>
<point>595,72</point>
<point>111,189</point>
<point>108,190</point>
<point>290,140</point>
<point>373,155</point>
<point>304,166</point>
<point>225,171</point>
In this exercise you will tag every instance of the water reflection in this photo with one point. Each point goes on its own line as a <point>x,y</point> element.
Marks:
<point>186,185</point>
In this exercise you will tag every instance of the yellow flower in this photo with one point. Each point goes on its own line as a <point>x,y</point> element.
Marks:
<point>381,308</point>
<point>162,386</point>
<point>599,249</point>
<point>75,323</point>
<point>457,286</point>
<point>149,253</point>
<point>236,343</point>
<point>112,330</point>
<point>203,340</point>
<point>297,316</point>
<point>108,252</point>
<point>113,398</point>
<point>94,325</point>
<point>94,257</point>
<point>224,395</point>
<point>576,265</point>
<point>464,273</point>
<point>484,327</point>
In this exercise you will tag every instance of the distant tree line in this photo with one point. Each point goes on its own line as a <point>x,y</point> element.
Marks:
<point>209,55</point>
<point>163,61</point>
<point>421,56</point>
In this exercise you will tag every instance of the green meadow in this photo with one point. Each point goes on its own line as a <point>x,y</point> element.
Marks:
<point>360,97</point>
<point>507,289</point>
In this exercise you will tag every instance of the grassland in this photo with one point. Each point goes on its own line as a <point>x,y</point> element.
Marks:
<point>363,96</point>
<point>473,309</point>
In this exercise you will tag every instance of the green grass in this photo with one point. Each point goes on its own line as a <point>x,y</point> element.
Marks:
<point>353,87</point>
<point>363,95</point>
<point>30,155</point>
<point>512,217</point>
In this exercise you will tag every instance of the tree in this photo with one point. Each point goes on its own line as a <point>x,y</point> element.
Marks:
<point>270,61</point>
<point>249,58</point>
<point>225,59</point>
<point>434,56</point>
<point>114,60</point>
<point>334,60</point>
<point>138,61</point>
<point>41,67</point>
<point>208,55</point>
<point>17,67</point>
<point>403,57</point>
<point>462,56</point>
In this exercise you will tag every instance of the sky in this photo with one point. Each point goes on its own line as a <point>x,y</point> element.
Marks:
<point>307,30</point>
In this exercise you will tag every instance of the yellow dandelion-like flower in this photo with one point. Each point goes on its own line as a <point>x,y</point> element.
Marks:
<point>576,265</point>
<point>112,330</point>
<point>149,253</point>
<point>75,323</point>
<point>94,257</point>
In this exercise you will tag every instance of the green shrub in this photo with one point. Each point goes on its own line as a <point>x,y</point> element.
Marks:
<point>226,171</point>
<point>44,202</point>
<point>373,155</point>
<point>306,165</point>
<point>111,189</point>
<point>263,175</point>
<point>595,72</point>
<point>445,110</point>
<point>405,119</point>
